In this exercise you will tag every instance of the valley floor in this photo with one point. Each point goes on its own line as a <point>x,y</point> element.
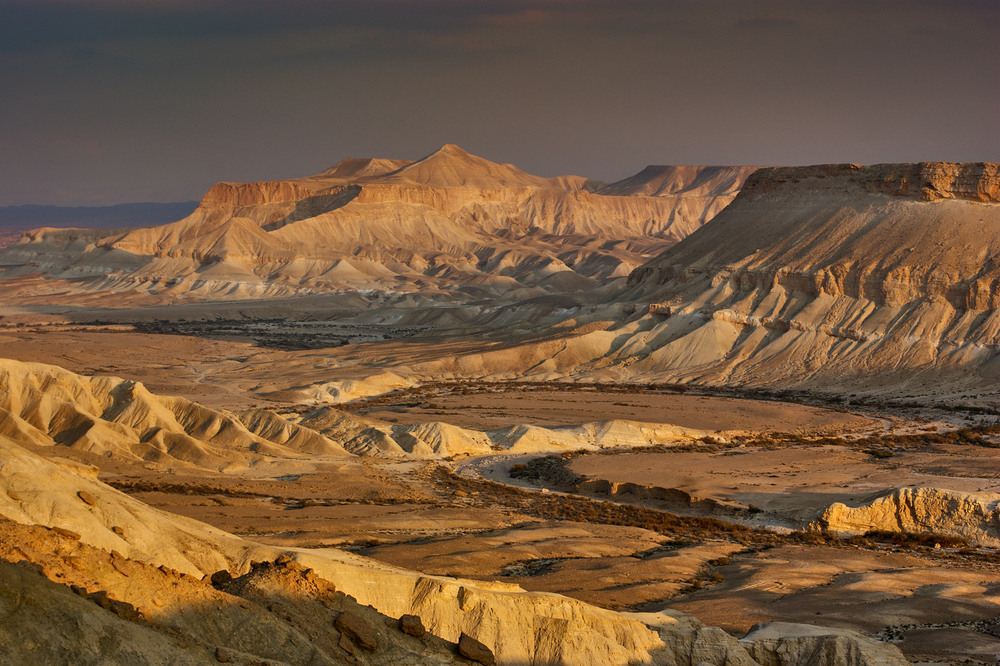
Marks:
<point>725,526</point>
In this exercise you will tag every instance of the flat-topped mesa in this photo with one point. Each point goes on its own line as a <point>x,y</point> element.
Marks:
<point>926,181</point>
<point>842,229</point>
<point>833,275</point>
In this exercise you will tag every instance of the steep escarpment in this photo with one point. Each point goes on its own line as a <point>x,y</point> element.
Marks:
<point>844,229</point>
<point>450,223</point>
<point>927,181</point>
<point>823,275</point>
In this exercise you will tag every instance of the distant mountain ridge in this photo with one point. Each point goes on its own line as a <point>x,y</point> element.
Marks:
<point>450,222</point>
<point>33,216</point>
<point>666,180</point>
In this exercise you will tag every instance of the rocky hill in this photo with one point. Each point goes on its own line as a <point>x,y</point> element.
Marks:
<point>850,279</point>
<point>844,276</point>
<point>659,180</point>
<point>448,223</point>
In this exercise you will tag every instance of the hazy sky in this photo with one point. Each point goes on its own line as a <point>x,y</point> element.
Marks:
<point>130,100</point>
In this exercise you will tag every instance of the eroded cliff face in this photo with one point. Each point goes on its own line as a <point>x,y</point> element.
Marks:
<point>974,517</point>
<point>926,181</point>
<point>838,276</point>
<point>450,222</point>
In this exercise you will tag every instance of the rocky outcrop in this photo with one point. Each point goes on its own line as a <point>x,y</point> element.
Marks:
<point>514,625</point>
<point>362,436</point>
<point>927,181</point>
<point>688,642</point>
<point>276,612</point>
<point>237,195</point>
<point>46,623</point>
<point>786,644</point>
<point>504,617</point>
<point>974,517</point>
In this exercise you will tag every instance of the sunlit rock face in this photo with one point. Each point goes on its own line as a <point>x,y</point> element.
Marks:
<point>833,275</point>
<point>450,223</point>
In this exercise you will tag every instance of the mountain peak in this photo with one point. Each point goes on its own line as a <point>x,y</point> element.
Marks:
<point>450,149</point>
<point>361,167</point>
<point>451,166</point>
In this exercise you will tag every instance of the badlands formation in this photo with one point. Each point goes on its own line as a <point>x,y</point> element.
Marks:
<point>445,411</point>
<point>450,224</point>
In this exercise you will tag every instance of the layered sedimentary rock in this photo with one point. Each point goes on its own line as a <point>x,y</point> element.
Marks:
<point>782,643</point>
<point>841,276</point>
<point>670,180</point>
<point>973,517</point>
<point>47,406</point>
<point>451,222</point>
<point>853,279</point>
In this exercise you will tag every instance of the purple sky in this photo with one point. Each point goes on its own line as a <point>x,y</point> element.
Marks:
<point>115,101</point>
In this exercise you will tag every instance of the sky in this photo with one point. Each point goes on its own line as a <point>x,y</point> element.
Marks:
<point>112,101</point>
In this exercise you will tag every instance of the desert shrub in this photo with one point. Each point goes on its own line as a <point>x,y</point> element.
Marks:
<point>915,540</point>
<point>518,471</point>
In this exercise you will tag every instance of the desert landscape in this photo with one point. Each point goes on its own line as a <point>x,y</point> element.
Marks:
<point>431,408</point>
<point>597,469</point>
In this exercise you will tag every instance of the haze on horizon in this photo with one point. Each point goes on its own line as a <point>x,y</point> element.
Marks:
<point>110,102</point>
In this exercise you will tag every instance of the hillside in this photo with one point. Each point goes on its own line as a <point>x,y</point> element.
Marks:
<point>666,180</point>
<point>451,223</point>
<point>850,279</point>
<point>844,276</point>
